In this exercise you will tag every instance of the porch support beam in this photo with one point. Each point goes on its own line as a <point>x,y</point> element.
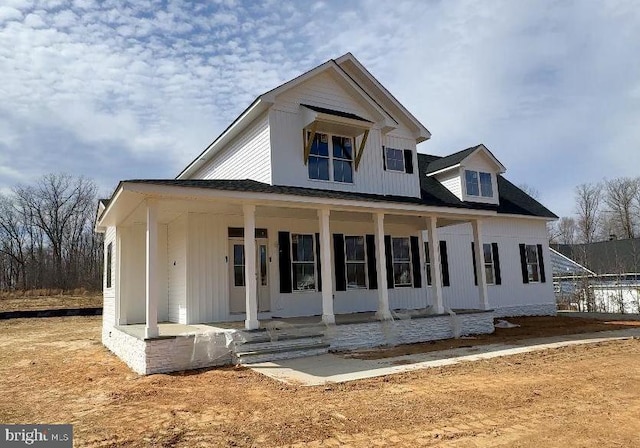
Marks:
<point>483,296</point>
<point>328,316</point>
<point>383,313</point>
<point>151,325</point>
<point>435,264</point>
<point>251,279</point>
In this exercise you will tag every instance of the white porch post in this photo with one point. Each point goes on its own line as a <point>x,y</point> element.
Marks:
<point>151,327</point>
<point>436,267</point>
<point>251,285</point>
<point>481,275</point>
<point>117,270</point>
<point>383,313</point>
<point>325,260</point>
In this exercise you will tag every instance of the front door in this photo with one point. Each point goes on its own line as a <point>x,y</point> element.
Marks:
<point>237,278</point>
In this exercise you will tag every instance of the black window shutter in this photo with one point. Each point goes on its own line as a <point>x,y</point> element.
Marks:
<point>543,277</point>
<point>496,263</point>
<point>384,159</point>
<point>284,257</point>
<point>371,262</point>
<point>338,255</point>
<point>444,260</point>
<point>388,261</point>
<point>408,161</point>
<point>318,262</point>
<point>523,264</point>
<point>415,262</point>
<point>475,266</point>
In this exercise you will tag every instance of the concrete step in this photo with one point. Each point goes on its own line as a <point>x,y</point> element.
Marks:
<point>291,343</point>
<point>278,354</point>
<point>272,336</point>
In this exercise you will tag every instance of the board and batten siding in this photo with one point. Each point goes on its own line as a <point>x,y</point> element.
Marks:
<point>177,267</point>
<point>109,294</point>
<point>247,156</point>
<point>508,234</point>
<point>287,142</point>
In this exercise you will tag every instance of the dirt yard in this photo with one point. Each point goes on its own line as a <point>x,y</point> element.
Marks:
<point>54,370</point>
<point>48,302</point>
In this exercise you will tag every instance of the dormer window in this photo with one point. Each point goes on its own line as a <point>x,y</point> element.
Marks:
<point>478,183</point>
<point>395,159</point>
<point>331,158</point>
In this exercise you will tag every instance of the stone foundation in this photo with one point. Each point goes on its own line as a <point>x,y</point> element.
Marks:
<point>409,331</point>
<point>170,354</point>
<point>545,309</point>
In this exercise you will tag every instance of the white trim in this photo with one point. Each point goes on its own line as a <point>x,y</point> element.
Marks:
<point>574,262</point>
<point>443,170</point>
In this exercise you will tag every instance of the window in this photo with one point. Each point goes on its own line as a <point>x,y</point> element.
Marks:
<point>331,158</point>
<point>395,159</point>
<point>238,265</point>
<point>533,267</point>
<point>400,249</point>
<point>303,262</point>
<point>478,183</point>
<point>355,262</point>
<point>489,264</point>
<point>427,263</point>
<point>108,263</point>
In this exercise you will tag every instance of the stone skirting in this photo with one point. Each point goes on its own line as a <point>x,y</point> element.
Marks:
<point>170,354</point>
<point>544,309</point>
<point>408,331</point>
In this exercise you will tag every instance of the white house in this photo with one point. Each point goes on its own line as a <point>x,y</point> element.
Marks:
<point>314,207</point>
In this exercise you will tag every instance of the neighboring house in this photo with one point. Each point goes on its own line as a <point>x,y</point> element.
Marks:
<point>609,280</point>
<point>347,223</point>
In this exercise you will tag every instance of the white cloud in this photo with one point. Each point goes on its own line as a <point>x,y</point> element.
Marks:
<point>552,88</point>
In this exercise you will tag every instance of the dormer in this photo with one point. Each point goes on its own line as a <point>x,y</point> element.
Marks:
<point>471,174</point>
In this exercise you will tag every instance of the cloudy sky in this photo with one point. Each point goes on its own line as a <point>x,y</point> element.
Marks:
<point>115,90</point>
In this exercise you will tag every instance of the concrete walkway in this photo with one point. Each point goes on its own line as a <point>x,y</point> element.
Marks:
<point>331,368</point>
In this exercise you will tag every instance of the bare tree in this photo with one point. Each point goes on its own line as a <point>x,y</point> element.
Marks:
<point>588,198</point>
<point>567,229</point>
<point>619,196</point>
<point>530,190</point>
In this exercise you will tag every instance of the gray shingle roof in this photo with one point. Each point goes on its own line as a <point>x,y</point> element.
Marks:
<point>605,257</point>
<point>512,199</point>
<point>451,160</point>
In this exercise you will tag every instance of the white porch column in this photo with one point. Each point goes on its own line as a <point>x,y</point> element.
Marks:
<point>325,260</point>
<point>476,226</point>
<point>383,313</point>
<point>251,279</point>
<point>151,327</point>
<point>117,270</point>
<point>435,264</point>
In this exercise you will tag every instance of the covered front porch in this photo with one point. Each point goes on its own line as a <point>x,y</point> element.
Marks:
<point>180,257</point>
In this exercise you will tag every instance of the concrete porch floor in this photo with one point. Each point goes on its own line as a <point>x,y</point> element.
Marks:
<point>172,329</point>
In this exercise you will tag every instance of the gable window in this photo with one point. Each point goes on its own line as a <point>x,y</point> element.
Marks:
<point>394,159</point>
<point>355,262</point>
<point>533,266</point>
<point>109,263</point>
<point>331,158</point>
<point>401,261</point>
<point>478,183</point>
<point>303,262</point>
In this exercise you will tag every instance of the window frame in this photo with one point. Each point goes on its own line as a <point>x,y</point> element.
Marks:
<point>427,263</point>
<point>408,262</point>
<point>331,157</point>
<point>109,266</point>
<point>386,157</point>
<point>294,263</point>
<point>530,263</point>
<point>243,265</point>
<point>478,184</point>
<point>362,262</point>
<point>489,264</point>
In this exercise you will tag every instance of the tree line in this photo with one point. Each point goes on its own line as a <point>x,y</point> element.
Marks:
<point>47,238</point>
<point>604,210</point>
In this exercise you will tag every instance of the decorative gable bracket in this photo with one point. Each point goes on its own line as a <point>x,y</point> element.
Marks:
<point>318,119</point>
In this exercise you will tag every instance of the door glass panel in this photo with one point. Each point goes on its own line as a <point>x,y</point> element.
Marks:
<point>263,265</point>
<point>238,264</point>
